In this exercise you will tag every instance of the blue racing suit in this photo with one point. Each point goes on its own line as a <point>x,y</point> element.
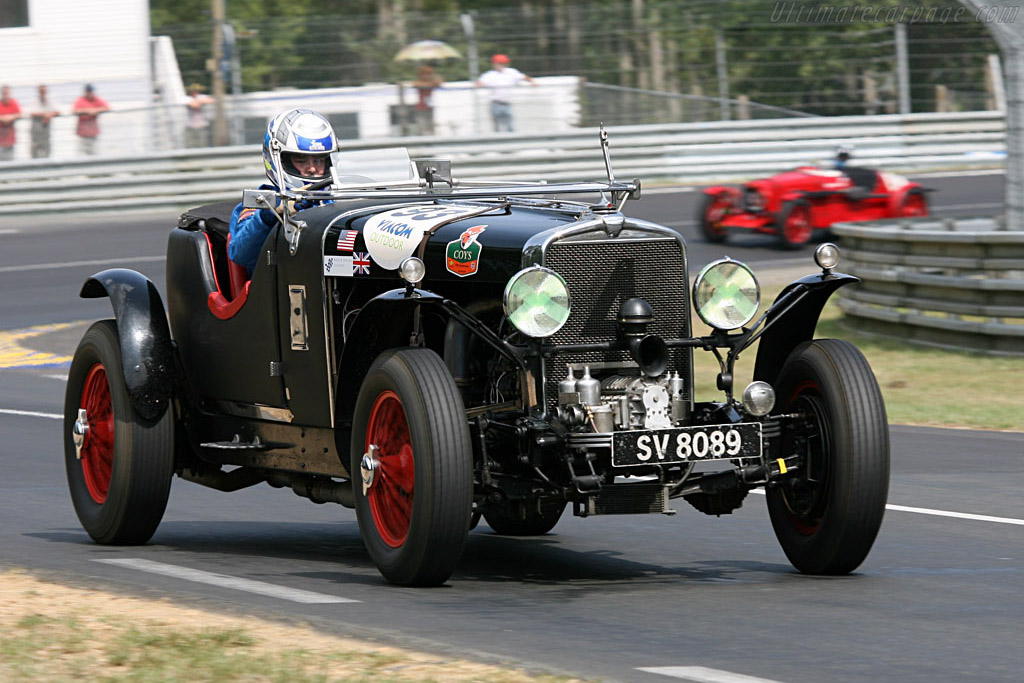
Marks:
<point>250,227</point>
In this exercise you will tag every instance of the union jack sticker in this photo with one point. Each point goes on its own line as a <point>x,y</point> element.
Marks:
<point>360,263</point>
<point>347,240</point>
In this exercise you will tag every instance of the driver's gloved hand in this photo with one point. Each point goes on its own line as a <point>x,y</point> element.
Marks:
<point>304,204</point>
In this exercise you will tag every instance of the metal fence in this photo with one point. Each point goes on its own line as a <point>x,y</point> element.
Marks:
<point>950,283</point>
<point>690,153</point>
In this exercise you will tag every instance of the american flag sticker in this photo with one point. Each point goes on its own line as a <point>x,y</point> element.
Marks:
<point>338,266</point>
<point>360,263</point>
<point>347,240</point>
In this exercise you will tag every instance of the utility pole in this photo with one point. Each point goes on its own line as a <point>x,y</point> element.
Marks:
<point>215,66</point>
<point>902,68</point>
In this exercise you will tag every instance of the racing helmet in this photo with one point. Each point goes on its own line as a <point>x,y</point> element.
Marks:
<point>844,152</point>
<point>297,131</point>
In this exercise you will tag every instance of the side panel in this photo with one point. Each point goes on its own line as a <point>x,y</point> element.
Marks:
<point>146,353</point>
<point>223,359</point>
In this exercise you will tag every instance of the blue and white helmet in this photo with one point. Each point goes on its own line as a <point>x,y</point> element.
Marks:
<point>297,131</point>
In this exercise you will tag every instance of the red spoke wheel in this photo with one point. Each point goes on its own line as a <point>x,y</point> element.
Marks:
<point>710,214</point>
<point>412,467</point>
<point>119,465</point>
<point>826,513</point>
<point>795,225</point>
<point>914,204</point>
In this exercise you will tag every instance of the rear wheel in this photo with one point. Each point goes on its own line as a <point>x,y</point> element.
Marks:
<point>523,519</point>
<point>914,204</point>
<point>411,446</point>
<point>713,210</point>
<point>794,224</point>
<point>827,513</point>
<point>119,466</point>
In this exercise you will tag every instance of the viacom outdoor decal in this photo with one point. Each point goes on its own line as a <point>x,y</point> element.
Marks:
<point>393,236</point>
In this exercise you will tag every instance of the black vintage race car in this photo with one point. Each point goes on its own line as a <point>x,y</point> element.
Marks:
<point>430,351</point>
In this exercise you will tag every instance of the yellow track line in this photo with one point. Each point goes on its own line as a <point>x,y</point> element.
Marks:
<point>13,353</point>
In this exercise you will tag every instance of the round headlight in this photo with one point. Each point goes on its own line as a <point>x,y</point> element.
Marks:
<point>759,398</point>
<point>537,301</point>
<point>827,256</point>
<point>726,294</point>
<point>412,270</point>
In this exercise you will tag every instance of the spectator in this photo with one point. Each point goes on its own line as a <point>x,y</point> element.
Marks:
<point>500,80</point>
<point>88,108</point>
<point>427,81</point>
<point>41,117</point>
<point>9,113</point>
<point>297,150</point>
<point>197,131</point>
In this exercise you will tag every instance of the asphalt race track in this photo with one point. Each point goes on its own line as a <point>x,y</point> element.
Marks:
<point>644,598</point>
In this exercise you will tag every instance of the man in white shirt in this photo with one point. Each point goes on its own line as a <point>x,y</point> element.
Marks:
<point>500,80</point>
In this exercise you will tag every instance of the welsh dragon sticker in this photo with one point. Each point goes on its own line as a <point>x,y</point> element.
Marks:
<point>462,257</point>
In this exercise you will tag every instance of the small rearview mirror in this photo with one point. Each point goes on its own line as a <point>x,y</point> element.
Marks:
<point>259,199</point>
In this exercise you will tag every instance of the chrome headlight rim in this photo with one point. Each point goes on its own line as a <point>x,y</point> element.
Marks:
<point>702,278</point>
<point>510,313</point>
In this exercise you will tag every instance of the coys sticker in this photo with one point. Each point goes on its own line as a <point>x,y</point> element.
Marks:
<point>392,236</point>
<point>462,257</point>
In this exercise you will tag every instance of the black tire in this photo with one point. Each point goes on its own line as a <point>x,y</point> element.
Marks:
<point>794,224</point>
<point>120,485</point>
<point>707,217</point>
<point>914,204</point>
<point>827,513</point>
<point>506,520</point>
<point>414,535</point>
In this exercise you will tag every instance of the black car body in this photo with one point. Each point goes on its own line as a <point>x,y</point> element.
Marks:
<point>342,372</point>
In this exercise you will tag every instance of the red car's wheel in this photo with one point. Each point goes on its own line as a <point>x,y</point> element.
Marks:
<point>119,465</point>
<point>914,204</point>
<point>826,513</point>
<point>794,224</point>
<point>412,465</point>
<point>713,209</point>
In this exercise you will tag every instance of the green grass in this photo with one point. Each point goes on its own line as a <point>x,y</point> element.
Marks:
<point>920,385</point>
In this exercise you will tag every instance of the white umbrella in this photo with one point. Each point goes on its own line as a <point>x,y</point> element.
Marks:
<point>427,50</point>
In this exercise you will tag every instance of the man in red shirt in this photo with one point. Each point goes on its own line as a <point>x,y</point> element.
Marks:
<point>88,108</point>
<point>9,113</point>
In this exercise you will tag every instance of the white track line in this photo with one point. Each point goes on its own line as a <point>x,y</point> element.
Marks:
<point>942,513</point>
<point>702,674</point>
<point>31,413</point>
<point>72,264</point>
<point>9,231</point>
<point>225,581</point>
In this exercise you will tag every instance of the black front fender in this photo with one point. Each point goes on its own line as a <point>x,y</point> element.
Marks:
<point>147,355</point>
<point>792,320</point>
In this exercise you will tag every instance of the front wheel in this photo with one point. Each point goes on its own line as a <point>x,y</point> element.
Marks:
<point>914,204</point>
<point>713,210</point>
<point>119,465</point>
<point>412,450</point>
<point>524,519</point>
<point>827,513</point>
<point>794,224</point>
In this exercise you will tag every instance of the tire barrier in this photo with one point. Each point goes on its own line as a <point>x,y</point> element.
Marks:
<point>950,283</point>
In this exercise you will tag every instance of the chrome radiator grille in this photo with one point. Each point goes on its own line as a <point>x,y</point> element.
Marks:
<point>601,274</point>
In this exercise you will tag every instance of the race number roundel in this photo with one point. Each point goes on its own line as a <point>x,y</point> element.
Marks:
<point>393,236</point>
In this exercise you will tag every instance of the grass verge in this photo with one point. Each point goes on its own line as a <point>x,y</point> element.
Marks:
<point>921,386</point>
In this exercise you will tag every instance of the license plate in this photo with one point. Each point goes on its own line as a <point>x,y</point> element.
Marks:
<point>686,444</point>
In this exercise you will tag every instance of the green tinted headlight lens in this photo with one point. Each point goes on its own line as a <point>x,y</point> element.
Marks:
<point>537,301</point>
<point>726,294</point>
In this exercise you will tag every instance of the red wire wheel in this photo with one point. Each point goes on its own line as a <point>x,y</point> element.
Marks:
<point>98,448</point>
<point>712,212</point>
<point>795,226</point>
<point>391,494</point>
<point>914,204</point>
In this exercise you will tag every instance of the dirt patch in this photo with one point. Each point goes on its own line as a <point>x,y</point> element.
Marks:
<point>51,632</point>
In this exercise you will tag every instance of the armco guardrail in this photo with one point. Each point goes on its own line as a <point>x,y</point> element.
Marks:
<point>953,283</point>
<point>692,152</point>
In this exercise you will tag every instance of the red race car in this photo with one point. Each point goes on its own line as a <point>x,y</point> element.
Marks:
<point>795,203</point>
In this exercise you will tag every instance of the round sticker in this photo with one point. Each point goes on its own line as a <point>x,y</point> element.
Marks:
<point>393,236</point>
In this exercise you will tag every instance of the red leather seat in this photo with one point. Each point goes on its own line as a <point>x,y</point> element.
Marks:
<point>225,306</point>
